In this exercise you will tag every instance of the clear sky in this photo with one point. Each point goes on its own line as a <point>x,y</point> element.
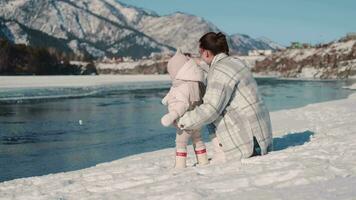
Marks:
<point>282,21</point>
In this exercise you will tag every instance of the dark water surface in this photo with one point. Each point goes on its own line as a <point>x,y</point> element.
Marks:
<point>53,130</point>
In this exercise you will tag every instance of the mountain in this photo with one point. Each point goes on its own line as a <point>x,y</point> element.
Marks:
<point>177,30</point>
<point>272,45</point>
<point>79,25</point>
<point>242,43</point>
<point>20,34</point>
<point>107,27</point>
<point>336,60</point>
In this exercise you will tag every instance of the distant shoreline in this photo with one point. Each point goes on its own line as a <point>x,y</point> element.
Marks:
<point>11,82</point>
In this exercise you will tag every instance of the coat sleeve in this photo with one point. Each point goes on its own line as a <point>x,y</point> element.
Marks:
<point>220,87</point>
<point>179,102</point>
<point>165,99</point>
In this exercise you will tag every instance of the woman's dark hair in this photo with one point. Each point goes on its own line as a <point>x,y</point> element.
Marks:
<point>215,42</point>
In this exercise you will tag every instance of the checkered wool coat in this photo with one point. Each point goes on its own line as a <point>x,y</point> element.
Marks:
<point>233,104</point>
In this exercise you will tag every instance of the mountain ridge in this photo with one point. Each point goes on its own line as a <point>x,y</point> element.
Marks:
<point>110,28</point>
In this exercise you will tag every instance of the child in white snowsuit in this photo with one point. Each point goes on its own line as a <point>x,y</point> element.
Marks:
<point>184,95</point>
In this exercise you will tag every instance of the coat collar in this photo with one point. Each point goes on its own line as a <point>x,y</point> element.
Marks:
<point>217,58</point>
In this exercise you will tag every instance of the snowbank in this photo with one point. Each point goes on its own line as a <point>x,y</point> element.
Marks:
<point>75,81</point>
<point>314,158</point>
<point>126,65</point>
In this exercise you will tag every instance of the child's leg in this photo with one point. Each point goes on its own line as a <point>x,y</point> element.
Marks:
<point>182,139</point>
<point>199,148</point>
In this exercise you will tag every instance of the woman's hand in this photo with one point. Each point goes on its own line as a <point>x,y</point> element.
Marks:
<point>175,124</point>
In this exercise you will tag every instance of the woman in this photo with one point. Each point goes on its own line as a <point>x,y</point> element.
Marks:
<point>231,104</point>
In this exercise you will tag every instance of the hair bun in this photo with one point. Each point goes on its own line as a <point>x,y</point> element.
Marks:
<point>214,42</point>
<point>220,35</point>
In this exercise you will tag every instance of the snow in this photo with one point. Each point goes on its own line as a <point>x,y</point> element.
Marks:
<point>309,61</point>
<point>102,26</point>
<point>313,159</point>
<point>338,47</point>
<point>89,21</point>
<point>271,43</point>
<point>74,62</point>
<point>187,30</point>
<point>309,72</point>
<point>343,46</point>
<point>16,33</point>
<point>126,65</point>
<point>75,81</point>
<point>130,14</point>
<point>92,50</point>
<point>303,54</point>
<point>299,55</point>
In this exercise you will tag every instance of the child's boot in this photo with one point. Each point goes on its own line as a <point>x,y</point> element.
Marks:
<point>202,157</point>
<point>199,148</point>
<point>181,159</point>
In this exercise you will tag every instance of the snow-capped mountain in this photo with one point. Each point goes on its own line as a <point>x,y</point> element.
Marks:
<point>242,43</point>
<point>107,27</point>
<point>176,30</point>
<point>79,25</point>
<point>271,44</point>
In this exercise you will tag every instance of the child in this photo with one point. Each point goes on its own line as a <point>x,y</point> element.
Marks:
<point>184,95</point>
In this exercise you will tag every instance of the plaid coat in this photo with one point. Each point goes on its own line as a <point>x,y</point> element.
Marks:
<point>233,104</point>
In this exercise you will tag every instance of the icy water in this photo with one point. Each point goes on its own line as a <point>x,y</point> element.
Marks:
<point>53,130</point>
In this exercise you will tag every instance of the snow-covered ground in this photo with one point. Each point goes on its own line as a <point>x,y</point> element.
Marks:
<point>75,81</point>
<point>303,166</point>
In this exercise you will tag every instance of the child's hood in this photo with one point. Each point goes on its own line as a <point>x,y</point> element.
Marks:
<point>190,72</point>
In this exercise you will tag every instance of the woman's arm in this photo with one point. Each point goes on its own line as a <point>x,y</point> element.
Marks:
<point>220,88</point>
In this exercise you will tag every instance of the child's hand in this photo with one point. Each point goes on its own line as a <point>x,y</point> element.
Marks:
<point>169,119</point>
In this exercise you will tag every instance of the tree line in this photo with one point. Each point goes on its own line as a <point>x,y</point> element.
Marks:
<point>20,59</point>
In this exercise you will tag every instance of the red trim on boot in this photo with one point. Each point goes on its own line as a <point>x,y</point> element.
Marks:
<point>182,154</point>
<point>200,151</point>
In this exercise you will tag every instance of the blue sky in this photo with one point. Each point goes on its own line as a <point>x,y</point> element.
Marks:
<point>283,21</point>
